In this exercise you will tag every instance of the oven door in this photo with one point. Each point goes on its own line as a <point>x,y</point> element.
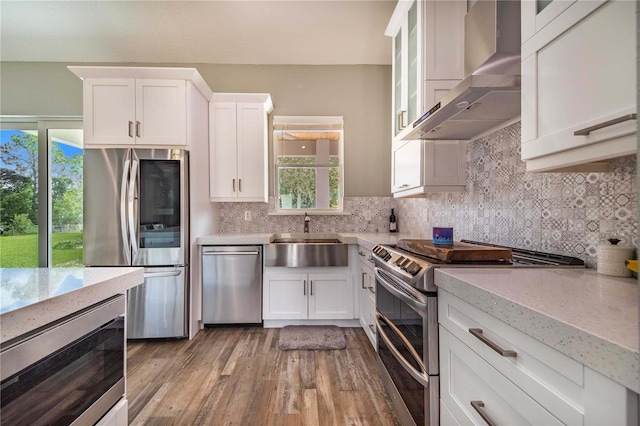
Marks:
<point>403,331</point>
<point>70,373</point>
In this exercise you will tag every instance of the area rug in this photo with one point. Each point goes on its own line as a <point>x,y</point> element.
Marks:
<point>311,337</point>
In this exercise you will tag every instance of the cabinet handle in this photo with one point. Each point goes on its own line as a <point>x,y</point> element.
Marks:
<point>361,253</point>
<point>371,260</point>
<point>364,274</point>
<point>304,287</point>
<point>479,407</point>
<point>404,185</point>
<point>587,130</point>
<point>477,332</point>
<point>233,185</point>
<point>137,128</point>
<point>402,120</point>
<point>131,129</point>
<point>311,285</point>
<point>239,185</point>
<point>371,289</point>
<point>373,329</point>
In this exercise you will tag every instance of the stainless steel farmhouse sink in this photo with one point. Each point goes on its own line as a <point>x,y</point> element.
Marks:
<point>305,251</point>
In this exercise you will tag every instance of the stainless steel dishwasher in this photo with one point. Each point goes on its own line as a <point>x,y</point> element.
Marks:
<point>231,285</point>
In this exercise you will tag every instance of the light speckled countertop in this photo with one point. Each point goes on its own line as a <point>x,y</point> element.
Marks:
<point>33,297</point>
<point>366,240</point>
<point>592,318</point>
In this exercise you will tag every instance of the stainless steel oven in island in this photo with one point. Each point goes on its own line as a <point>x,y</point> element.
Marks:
<point>69,372</point>
<point>136,212</point>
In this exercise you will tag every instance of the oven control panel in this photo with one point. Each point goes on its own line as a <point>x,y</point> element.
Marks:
<point>399,261</point>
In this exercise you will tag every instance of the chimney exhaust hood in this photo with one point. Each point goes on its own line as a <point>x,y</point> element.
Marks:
<point>490,94</point>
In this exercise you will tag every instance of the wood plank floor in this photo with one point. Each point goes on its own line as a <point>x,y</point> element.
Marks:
<point>239,376</point>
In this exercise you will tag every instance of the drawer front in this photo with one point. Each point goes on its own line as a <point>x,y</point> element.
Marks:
<point>468,380</point>
<point>550,377</point>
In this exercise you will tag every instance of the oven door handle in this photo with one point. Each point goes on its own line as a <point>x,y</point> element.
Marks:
<point>414,302</point>
<point>421,376</point>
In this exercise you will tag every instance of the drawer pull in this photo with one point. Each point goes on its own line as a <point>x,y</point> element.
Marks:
<point>373,329</point>
<point>587,130</point>
<point>477,332</point>
<point>361,253</point>
<point>479,407</point>
<point>364,274</point>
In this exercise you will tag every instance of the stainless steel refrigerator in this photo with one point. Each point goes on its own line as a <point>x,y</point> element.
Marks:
<point>136,212</point>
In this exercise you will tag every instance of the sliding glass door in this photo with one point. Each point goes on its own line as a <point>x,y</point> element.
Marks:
<point>40,193</point>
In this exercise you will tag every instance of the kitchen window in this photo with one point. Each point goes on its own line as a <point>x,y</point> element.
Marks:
<point>309,163</point>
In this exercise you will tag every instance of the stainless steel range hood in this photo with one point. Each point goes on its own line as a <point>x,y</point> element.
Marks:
<point>490,94</point>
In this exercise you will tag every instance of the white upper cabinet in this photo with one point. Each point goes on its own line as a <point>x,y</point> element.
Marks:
<point>405,28</point>
<point>428,60</point>
<point>134,111</point>
<point>421,167</point>
<point>127,106</point>
<point>578,84</point>
<point>238,147</point>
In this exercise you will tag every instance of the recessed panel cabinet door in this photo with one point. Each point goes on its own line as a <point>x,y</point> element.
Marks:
<point>252,148</point>
<point>161,112</point>
<point>579,87</point>
<point>109,111</point>
<point>330,296</point>
<point>285,296</point>
<point>223,150</point>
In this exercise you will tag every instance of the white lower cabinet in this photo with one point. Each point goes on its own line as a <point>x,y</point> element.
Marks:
<point>117,416</point>
<point>488,368</point>
<point>307,295</point>
<point>367,295</point>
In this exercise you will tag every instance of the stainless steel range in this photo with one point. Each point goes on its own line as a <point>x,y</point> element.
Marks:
<point>407,315</point>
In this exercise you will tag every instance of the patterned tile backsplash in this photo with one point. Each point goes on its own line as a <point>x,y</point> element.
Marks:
<point>564,213</point>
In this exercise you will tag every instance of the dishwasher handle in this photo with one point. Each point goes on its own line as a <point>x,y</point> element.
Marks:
<point>229,253</point>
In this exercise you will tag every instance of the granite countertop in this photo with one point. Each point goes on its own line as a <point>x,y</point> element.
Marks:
<point>591,318</point>
<point>33,297</point>
<point>367,240</point>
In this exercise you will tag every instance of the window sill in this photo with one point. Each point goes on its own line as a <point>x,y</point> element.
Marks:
<point>309,212</point>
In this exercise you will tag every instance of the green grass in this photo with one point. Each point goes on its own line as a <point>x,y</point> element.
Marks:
<point>21,251</point>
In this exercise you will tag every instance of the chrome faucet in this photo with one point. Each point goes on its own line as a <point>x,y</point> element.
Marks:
<point>307,219</point>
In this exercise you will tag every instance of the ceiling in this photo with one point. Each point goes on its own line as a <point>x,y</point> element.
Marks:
<point>311,32</point>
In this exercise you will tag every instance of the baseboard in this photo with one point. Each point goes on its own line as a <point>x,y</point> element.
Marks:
<point>339,323</point>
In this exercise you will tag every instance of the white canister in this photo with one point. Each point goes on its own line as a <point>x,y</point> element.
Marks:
<point>611,260</point>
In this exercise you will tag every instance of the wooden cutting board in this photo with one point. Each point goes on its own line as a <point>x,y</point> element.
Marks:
<point>457,252</point>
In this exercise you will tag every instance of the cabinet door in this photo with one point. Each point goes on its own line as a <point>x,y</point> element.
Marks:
<point>223,152</point>
<point>536,14</point>
<point>578,72</point>
<point>252,152</point>
<point>366,293</point>
<point>444,40</point>
<point>407,67</point>
<point>285,296</point>
<point>445,163</point>
<point>469,386</point>
<point>161,112</point>
<point>406,165</point>
<point>109,111</point>
<point>330,296</point>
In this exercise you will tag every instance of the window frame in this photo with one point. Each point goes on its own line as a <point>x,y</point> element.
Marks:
<point>306,124</point>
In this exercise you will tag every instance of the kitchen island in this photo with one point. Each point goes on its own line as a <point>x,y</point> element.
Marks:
<point>563,341</point>
<point>33,297</point>
<point>63,350</point>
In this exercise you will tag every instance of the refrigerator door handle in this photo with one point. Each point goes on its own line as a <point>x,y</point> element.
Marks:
<point>133,177</point>
<point>126,248</point>
<point>162,274</point>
